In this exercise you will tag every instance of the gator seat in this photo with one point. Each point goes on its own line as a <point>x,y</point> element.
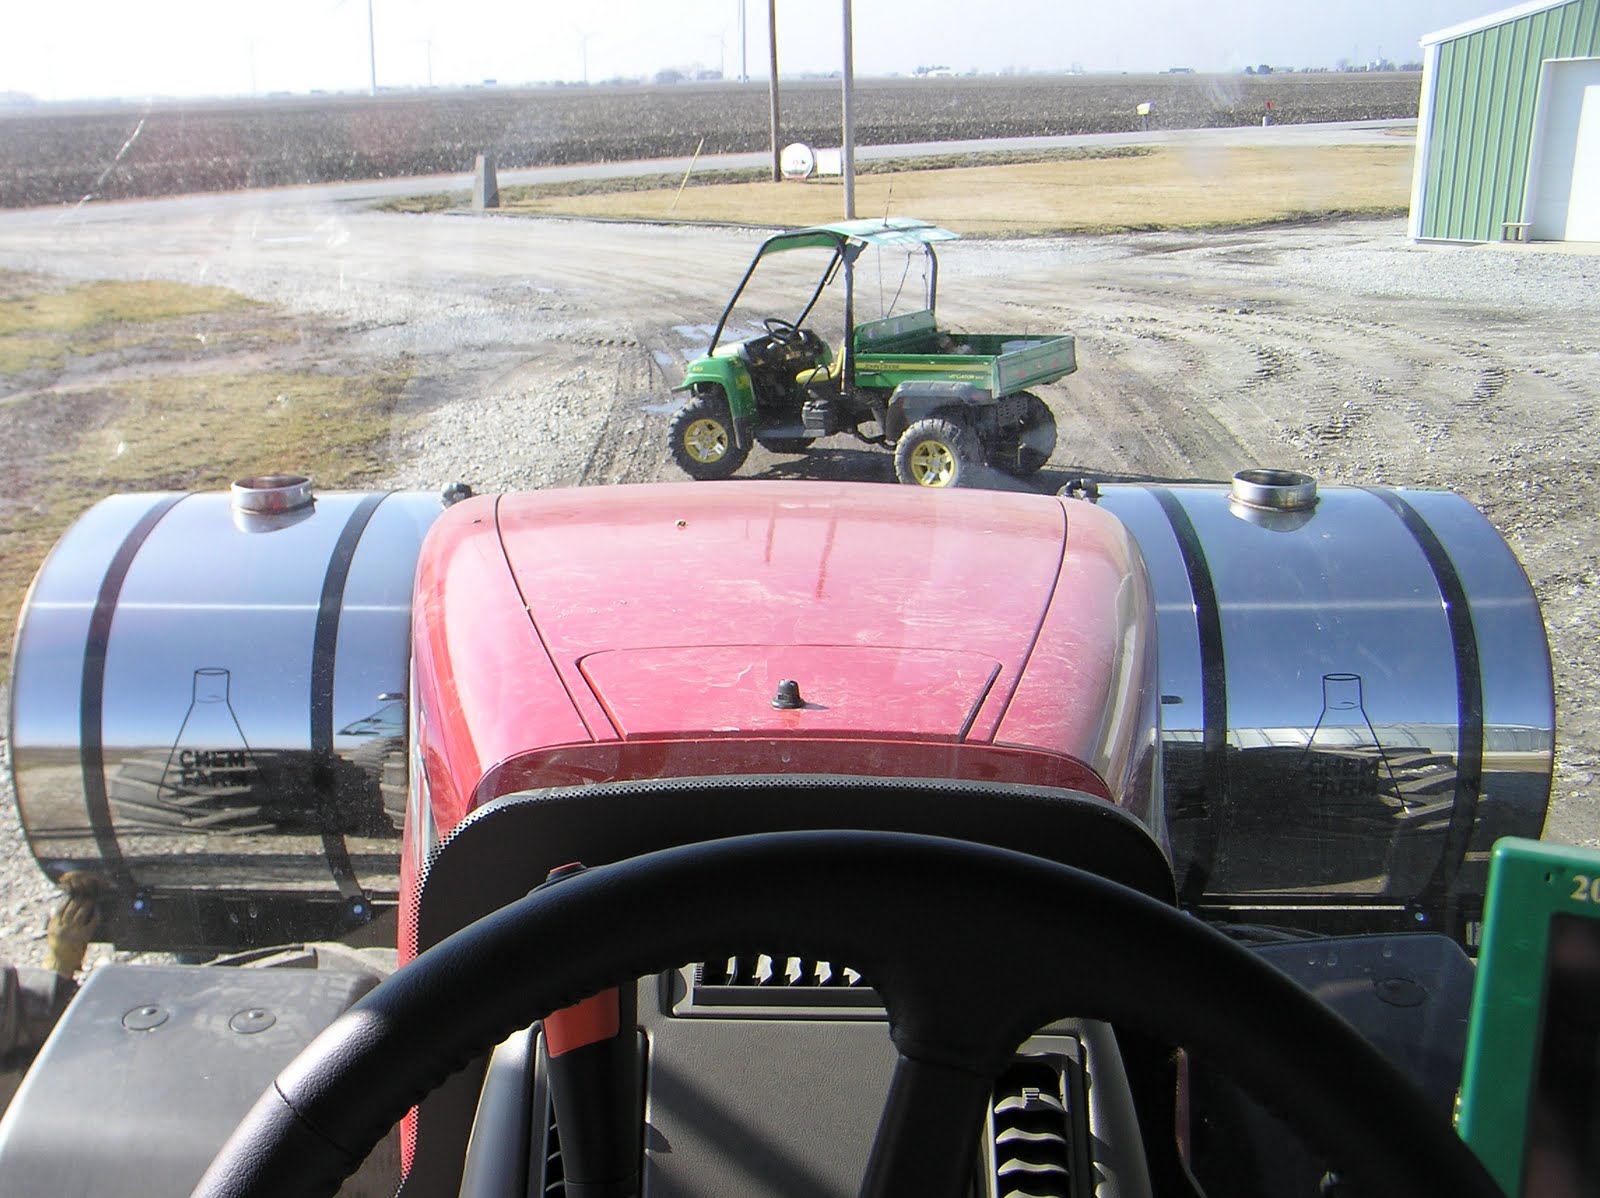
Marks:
<point>816,375</point>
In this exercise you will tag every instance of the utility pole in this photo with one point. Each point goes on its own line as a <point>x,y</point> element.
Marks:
<point>372,51</point>
<point>772,46</point>
<point>744,47</point>
<point>848,115</point>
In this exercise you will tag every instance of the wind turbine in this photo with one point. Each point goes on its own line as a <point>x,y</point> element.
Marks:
<point>372,49</point>
<point>744,47</point>
<point>722,51</point>
<point>583,44</point>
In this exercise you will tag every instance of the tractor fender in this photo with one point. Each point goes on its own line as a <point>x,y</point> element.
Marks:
<point>730,375</point>
<point>911,402</point>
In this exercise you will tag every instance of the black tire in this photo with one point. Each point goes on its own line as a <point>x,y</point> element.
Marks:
<point>936,453</point>
<point>702,438</point>
<point>1034,443</point>
<point>785,444</point>
<point>382,761</point>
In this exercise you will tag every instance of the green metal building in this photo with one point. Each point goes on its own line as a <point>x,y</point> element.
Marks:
<point>1508,135</point>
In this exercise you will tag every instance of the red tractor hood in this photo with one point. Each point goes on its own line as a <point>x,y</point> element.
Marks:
<point>704,605</point>
<point>672,613</point>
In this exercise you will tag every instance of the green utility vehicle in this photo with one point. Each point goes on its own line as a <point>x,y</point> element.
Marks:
<point>948,403</point>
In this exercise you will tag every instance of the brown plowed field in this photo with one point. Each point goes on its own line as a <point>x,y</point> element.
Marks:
<point>60,154</point>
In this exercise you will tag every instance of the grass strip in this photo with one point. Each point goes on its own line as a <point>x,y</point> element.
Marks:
<point>514,197</point>
<point>164,430</point>
<point>1168,188</point>
<point>43,325</point>
<point>89,305</point>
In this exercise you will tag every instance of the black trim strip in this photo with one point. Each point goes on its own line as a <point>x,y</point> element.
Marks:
<point>1439,894</point>
<point>1213,688</point>
<point>324,644</point>
<point>92,696</point>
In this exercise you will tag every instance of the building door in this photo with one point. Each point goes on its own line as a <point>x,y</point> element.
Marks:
<point>1564,171</point>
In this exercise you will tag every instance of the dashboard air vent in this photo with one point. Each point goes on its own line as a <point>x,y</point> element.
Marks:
<point>1038,1133</point>
<point>554,1182</point>
<point>777,979</point>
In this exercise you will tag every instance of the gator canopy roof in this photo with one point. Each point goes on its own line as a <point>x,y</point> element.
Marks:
<point>891,230</point>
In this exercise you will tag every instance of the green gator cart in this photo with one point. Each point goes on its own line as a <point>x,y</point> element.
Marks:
<point>948,403</point>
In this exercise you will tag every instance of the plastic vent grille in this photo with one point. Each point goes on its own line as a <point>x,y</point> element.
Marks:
<point>1038,1135</point>
<point>554,1181</point>
<point>776,979</point>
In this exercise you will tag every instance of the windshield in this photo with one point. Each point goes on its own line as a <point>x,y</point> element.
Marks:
<point>412,334</point>
<point>796,287</point>
<point>831,288</point>
<point>356,358</point>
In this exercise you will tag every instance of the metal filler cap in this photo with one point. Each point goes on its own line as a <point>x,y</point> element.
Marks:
<point>268,502</point>
<point>1275,490</point>
<point>272,494</point>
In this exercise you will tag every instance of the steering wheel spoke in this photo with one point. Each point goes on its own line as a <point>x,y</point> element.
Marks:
<point>927,1137</point>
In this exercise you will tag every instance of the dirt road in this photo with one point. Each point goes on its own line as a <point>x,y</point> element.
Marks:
<point>1339,349</point>
<point>542,354</point>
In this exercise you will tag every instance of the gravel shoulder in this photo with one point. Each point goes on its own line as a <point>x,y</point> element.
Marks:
<point>542,354</point>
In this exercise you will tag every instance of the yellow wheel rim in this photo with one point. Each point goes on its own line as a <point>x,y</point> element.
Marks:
<point>933,464</point>
<point>706,441</point>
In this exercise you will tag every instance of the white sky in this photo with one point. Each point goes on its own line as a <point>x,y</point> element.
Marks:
<point>93,48</point>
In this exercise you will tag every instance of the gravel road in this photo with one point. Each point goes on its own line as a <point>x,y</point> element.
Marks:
<point>542,354</point>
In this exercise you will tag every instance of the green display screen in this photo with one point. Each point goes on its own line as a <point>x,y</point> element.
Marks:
<point>1562,1140</point>
<point>1530,1090</point>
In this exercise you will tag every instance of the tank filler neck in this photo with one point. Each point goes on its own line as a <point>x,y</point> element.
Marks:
<point>268,502</point>
<point>1276,500</point>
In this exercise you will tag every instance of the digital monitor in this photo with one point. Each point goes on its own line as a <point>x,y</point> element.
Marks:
<point>1530,1089</point>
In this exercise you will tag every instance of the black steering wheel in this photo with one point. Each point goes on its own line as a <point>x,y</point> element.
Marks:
<point>971,947</point>
<point>783,332</point>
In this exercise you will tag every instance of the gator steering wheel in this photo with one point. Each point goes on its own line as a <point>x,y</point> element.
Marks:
<point>783,332</point>
<point>971,948</point>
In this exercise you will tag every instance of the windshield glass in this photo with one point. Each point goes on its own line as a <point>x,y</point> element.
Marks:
<point>358,424</point>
